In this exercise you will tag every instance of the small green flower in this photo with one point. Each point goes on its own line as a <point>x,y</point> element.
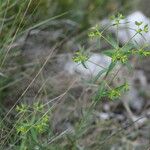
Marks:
<point>114,94</point>
<point>119,56</point>
<point>45,118</point>
<point>80,57</point>
<point>42,124</point>
<point>124,59</point>
<point>91,34</point>
<point>142,52</point>
<point>120,16</point>
<point>38,107</point>
<point>138,23</point>
<point>22,108</point>
<point>117,18</point>
<point>94,32</point>
<point>140,30</point>
<point>23,128</point>
<point>146,28</point>
<point>40,128</point>
<point>146,53</point>
<point>126,87</point>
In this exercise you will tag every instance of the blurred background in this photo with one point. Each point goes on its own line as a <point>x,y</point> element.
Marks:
<point>37,41</point>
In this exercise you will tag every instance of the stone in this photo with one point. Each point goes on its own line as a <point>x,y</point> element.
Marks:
<point>127,28</point>
<point>95,64</point>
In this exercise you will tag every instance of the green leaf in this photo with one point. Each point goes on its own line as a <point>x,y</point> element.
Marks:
<point>146,28</point>
<point>84,65</point>
<point>112,41</point>
<point>34,134</point>
<point>114,94</point>
<point>111,67</point>
<point>127,47</point>
<point>101,92</point>
<point>109,52</point>
<point>138,23</point>
<point>99,75</point>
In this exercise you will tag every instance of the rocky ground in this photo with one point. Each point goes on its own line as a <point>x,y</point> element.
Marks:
<point>114,125</point>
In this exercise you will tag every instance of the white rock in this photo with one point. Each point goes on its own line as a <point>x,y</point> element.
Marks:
<point>140,121</point>
<point>1,74</point>
<point>95,64</point>
<point>125,33</point>
<point>133,99</point>
<point>103,116</point>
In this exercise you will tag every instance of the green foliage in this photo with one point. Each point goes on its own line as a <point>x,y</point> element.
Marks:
<point>140,29</point>
<point>118,55</point>
<point>4,82</point>
<point>80,57</point>
<point>29,127</point>
<point>33,122</point>
<point>117,19</point>
<point>22,108</point>
<point>95,33</point>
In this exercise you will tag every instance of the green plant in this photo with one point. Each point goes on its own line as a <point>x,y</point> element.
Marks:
<point>119,55</point>
<point>29,127</point>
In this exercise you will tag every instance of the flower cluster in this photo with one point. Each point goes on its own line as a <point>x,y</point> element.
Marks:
<point>22,108</point>
<point>119,56</point>
<point>41,125</point>
<point>114,94</point>
<point>38,107</point>
<point>23,128</point>
<point>117,18</point>
<point>140,29</point>
<point>94,33</point>
<point>141,52</point>
<point>80,57</point>
<point>116,53</point>
<point>111,93</point>
<point>37,122</point>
